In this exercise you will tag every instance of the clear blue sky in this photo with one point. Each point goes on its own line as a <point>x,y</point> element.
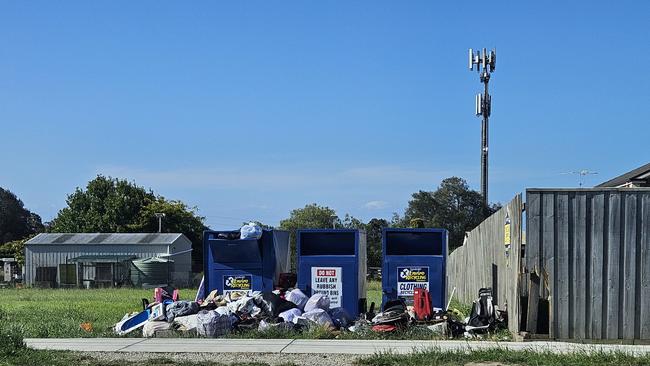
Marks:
<point>250,109</point>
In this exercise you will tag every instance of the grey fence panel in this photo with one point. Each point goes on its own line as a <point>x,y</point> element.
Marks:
<point>591,250</point>
<point>645,266</point>
<point>483,261</point>
<point>596,255</point>
<point>578,274</point>
<point>627,323</point>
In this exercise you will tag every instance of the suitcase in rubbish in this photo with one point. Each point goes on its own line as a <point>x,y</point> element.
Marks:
<point>422,304</point>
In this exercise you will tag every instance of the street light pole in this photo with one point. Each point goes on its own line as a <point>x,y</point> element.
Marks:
<point>485,64</point>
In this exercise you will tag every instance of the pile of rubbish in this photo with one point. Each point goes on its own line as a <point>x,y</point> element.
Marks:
<point>219,315</point>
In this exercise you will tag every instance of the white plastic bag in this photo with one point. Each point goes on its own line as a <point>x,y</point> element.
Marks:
<point>318,301</point>
<point>297,297</point>
<point>318,316</point>
<point>251,231</point>
<point>223,310</point>
<point>186,323</point>
<point>290,314</point>
<point>150,328</point>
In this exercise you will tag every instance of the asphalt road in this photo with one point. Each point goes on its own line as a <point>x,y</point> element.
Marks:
<point>305,346</point>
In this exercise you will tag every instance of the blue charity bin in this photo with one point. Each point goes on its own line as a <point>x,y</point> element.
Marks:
<point>414,258</point>
<point>244,264</point>
<point>333,262</point>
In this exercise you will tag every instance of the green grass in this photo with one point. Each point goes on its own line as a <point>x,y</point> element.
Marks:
<point>49,313</point>
<point>373,294</point>
<point>434,357</point>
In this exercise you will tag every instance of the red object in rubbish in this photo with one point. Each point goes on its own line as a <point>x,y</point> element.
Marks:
<point>422,304</point>
<point>383,328</point>
<point>162,293</point>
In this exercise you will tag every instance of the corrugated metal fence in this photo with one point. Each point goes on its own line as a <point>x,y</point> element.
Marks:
<point>590,249</point>
<point>485,261</point>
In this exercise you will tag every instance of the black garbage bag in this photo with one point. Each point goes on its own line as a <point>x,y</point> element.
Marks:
<point>340,317</point>
<point>272,305</point>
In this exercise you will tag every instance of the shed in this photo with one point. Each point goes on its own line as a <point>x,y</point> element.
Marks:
<point>639,177</point>
<point>101,259</point>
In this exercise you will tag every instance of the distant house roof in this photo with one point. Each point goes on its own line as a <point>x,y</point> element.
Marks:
<point>639,177</point>
<point>113,238</point>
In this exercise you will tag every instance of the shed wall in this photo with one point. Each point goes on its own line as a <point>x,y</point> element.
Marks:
<point>51,255</point>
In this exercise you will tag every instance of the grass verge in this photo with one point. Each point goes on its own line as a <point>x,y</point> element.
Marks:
<point>434,357</point>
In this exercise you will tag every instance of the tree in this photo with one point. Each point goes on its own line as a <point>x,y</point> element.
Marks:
<point>16,222</point>
<point>15,249</point>
<point>351,222</point>
<point>453,206</point>
<point>374,229</point>
<point>107,206</point>
<point>111,205</point>
<point>311,216</point>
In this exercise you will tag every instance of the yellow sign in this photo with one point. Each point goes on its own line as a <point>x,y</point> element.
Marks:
<point>506,231</point>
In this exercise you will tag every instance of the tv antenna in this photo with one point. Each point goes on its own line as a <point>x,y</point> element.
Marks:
<point>582,174</point>
<point>485,65</point>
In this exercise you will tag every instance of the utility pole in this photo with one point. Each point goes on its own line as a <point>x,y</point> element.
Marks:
<point>485,64</point>
<point>159,216</point>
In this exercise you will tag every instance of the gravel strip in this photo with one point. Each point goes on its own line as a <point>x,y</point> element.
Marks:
<point>229,358</point>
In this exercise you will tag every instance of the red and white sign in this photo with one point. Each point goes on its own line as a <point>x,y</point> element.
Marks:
<point>327,281</point>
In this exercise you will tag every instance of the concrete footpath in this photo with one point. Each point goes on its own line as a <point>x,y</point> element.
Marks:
<point>307,346</point>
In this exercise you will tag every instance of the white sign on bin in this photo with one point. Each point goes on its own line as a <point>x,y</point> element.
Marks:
<point>327,281</point>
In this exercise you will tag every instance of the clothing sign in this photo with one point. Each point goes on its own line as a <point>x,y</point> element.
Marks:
<point>410,278</point>
<point>237,283</point>
<point>327,281</point>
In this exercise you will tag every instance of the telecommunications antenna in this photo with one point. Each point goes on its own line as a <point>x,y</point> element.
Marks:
<point>581,174</point>
<point>485,62</point>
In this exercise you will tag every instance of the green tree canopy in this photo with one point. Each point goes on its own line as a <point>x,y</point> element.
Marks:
<point>374,229</point>
<point>16,222</point>
<point>107,205</point>
<point>453,206</point>
<point>311,216</point>
<point>15,249</point>
<point>111,205</point>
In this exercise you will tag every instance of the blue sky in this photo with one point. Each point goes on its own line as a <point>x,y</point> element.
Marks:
<point>250,109</point>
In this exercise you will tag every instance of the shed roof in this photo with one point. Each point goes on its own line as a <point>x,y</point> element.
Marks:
<point>641,173</point>
<point>101,238</point>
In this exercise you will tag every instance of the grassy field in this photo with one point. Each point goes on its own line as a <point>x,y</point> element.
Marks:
<point>48,313</point>
<point>51,313</point>
<point>494,357</point>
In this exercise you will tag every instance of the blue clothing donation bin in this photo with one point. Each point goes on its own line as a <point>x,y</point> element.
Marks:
<point>244,264</point>
<point>414,258</point>
<point>333,262</point>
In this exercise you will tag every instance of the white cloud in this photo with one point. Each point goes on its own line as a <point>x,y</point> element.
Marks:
<point>375,205</point>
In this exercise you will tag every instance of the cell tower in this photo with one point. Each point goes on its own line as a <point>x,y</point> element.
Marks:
<point>485,65</point>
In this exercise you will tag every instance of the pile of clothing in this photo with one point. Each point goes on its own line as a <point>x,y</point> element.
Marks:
<point>218,315</point>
